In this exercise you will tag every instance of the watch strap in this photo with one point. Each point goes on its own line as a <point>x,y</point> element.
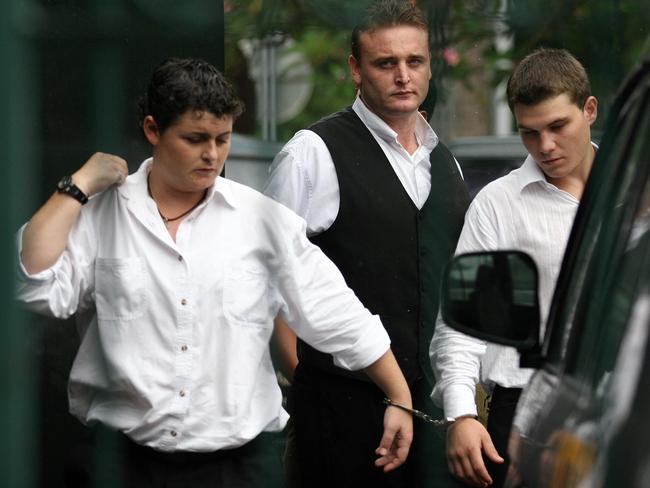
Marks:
<point>66,186</point>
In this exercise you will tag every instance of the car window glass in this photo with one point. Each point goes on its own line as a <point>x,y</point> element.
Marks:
<point>601,231</point>
<point>616,267</point>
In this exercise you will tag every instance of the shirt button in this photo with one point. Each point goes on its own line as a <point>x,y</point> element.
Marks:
<point>173,433</point>
<point>183,301</point>
<point>180,258</point>
<point>183,348</point>
<point>182,393</point>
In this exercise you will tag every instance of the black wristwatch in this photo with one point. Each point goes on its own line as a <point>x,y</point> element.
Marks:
<point>65,185</point>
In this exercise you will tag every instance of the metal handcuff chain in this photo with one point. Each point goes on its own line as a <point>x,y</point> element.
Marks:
<point>420,415</point>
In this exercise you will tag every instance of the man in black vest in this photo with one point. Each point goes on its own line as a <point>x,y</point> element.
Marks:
<point>385,201</point>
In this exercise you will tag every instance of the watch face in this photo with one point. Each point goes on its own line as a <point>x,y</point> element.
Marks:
<point>64,183</point>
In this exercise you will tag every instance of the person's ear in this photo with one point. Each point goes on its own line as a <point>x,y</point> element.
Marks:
<point>355,70</point>
<point>150,129</point>
<point>591,109</point>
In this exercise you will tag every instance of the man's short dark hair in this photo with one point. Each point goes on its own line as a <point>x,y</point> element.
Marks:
<point>387,13</point>
<point>547,73</point>
<point>178,85</point>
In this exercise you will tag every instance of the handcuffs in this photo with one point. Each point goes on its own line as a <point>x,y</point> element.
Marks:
<point>446,422</point>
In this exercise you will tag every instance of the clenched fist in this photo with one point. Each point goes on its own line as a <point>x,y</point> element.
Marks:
<point>99,172</point>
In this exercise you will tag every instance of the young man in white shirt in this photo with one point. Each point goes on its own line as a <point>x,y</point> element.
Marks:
<point>175,275</point>
<point>384,199</point>
<point>531,209</point>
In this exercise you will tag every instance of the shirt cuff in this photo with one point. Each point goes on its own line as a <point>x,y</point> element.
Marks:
<point>459,400</point>
<point>372,344</point>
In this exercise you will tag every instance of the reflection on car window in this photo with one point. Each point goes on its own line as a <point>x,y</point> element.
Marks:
<point>617,264</point>
<point>607,209</point>
<point>494,293</point>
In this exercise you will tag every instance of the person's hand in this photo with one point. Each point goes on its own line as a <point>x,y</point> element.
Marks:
<point>395,443</point>
<point>99,172</point>
<point>467,440</point>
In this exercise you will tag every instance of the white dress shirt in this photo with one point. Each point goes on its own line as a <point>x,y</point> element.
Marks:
<point>303,176</point>
<point>520,211</point>
<point>174,335</point>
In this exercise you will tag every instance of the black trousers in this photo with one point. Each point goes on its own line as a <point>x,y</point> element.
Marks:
<point>108,459</point>
<point>500,417</point>
<point>337,423</point>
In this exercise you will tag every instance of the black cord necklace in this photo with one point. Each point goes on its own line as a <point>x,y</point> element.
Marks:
<point>167,220</point>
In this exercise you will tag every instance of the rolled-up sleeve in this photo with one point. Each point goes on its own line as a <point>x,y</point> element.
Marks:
<point>324,311</point>
<point>60,290</point>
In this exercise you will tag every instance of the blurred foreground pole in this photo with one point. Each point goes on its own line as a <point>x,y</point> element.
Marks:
<point>17,143</point>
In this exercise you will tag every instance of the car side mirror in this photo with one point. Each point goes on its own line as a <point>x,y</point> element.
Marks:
<point>493,296</point>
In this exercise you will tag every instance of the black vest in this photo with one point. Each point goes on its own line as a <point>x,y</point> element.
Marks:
<point>391,254</point>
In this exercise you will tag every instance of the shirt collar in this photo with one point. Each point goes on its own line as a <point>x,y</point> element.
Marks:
<point>135,186</point>
<point>423,131</point>
<point>531,173</point>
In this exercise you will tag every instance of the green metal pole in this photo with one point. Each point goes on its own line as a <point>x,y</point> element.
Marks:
<point>25,28</point>
<point>108,68</point>
<point>17,143</point>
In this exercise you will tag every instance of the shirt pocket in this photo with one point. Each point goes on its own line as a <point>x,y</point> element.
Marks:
<point>246,296</point>
<point>120,288</point>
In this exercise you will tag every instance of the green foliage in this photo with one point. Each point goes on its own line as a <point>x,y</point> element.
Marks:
<point>606,35</point>
<point>469,30</point>
<point>333,87</point>
<point>321,31</point>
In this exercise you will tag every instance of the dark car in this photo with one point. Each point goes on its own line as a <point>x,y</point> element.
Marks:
<point>486,158</point>
<point>583,418</point>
